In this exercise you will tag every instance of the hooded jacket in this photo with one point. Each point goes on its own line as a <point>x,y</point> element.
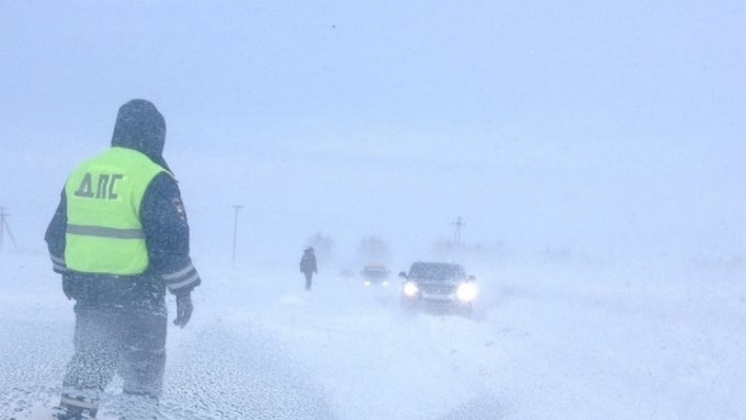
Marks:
<point>139,126</point>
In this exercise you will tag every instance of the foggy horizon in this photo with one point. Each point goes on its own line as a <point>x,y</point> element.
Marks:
<point>613,131</point>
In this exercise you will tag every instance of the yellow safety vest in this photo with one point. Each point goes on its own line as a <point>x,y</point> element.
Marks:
<point>104,234</point>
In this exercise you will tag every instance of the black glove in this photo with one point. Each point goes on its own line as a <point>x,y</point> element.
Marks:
<point>184,309</point>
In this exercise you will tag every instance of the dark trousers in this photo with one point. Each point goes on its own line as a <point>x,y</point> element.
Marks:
<point>309,276</point>
<point>126,339</point>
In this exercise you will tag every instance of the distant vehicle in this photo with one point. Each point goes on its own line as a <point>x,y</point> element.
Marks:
<point>347,275</point>
<point>375,275</point>
<point>439,286</point>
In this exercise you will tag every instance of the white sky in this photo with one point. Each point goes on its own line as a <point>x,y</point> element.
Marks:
<point>608,128</point>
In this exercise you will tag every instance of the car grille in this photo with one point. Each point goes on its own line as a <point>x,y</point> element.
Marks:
<point>438,288</point>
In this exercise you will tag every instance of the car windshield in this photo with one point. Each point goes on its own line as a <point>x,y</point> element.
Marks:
<point>375,272</point>
<point>436,271</point>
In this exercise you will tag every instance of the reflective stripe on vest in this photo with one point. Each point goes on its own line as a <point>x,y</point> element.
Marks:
<point>104,233</point>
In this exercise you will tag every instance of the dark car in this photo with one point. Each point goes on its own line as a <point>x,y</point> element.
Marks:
<point>375,275</point>
<point>439,286</point>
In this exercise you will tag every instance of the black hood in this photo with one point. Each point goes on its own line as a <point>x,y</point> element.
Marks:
<point>141,127</point>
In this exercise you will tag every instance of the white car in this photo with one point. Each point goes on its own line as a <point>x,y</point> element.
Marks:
<point>439,286</point>
<point>375,275</point>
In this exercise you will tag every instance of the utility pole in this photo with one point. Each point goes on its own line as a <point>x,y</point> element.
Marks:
<point>457,234</point>
<point>4,227</point>
<point>236,208</point>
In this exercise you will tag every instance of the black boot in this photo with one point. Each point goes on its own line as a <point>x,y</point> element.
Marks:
<point>67,412</point>
<point>76,408</point>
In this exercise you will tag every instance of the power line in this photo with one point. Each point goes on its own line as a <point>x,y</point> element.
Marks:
<point>457,233</point>
<point>5,228</point>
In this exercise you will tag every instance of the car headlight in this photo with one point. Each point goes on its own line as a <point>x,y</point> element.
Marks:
<point>366,282</point>
<point>410,289</point>
<point>467,292</point>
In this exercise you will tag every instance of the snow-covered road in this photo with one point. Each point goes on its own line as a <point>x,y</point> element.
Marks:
<point>550,341</point>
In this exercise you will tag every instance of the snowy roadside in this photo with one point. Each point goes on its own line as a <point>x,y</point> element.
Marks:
<point>552,342</point>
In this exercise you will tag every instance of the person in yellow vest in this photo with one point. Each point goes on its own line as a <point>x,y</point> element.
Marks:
<point>120,239</point>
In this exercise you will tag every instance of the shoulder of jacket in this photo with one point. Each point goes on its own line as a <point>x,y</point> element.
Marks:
<point>164,184</point>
